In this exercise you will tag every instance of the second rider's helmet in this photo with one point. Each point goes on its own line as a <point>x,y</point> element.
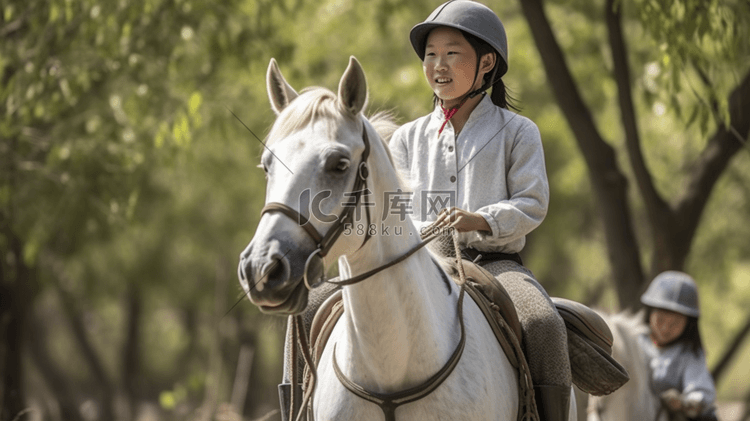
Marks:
<point>675,291</point>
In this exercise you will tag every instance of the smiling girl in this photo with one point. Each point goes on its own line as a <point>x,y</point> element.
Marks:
<point>483,164</point>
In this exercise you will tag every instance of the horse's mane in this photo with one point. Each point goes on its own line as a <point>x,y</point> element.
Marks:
<point>631,320</point>
<point>316,103</point>
<point>384,125</point>
<point>627,326</point>
<point>320,104</point>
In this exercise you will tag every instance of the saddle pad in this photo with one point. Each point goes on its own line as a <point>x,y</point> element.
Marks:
<point>594,371</point>
<point>323,323</point>
<point>490,288</point>
<point>585,322</point>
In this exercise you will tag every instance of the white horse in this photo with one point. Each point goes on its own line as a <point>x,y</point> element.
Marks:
<point>400,326</point>
<point>634,401</point>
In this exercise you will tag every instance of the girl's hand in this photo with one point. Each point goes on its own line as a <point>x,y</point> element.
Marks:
<point>672,399</point>
<point>693,407</point>
<point>461,220</point>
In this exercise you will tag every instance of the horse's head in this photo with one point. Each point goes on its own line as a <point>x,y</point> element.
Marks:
<point>313,168</point>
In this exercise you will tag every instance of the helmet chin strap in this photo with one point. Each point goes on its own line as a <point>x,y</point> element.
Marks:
<point>449,113</point>
<point>486,85</point>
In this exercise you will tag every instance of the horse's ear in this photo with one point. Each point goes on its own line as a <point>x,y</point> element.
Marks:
<point>353,88</point>
<point>279,91</point>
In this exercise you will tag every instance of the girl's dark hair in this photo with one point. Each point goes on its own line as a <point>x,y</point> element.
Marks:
<point>691,336</point>
<point>500,95</point>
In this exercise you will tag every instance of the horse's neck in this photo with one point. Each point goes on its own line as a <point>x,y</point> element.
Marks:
<point>626,330</point>
<point>401,324</point>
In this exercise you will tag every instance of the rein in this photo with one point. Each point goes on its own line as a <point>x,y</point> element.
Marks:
<point>361,277</point>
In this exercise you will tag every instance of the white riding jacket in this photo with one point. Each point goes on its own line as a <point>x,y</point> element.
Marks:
<point>495,167</point>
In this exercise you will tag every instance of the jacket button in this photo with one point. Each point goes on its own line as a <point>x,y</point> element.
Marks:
<point>450,148</point>
<point>453,179</point>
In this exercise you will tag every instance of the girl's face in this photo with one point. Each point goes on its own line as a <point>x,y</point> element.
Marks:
<point>666,326</point>
<point>449,65</point>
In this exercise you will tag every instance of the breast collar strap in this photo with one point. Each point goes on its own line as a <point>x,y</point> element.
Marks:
<point>388,402</point>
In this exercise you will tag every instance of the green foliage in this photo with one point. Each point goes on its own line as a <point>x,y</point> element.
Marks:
<point>700,45</point>
<point>121,162</point>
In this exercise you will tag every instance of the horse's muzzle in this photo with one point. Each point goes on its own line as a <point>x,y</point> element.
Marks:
<point>270,283</point>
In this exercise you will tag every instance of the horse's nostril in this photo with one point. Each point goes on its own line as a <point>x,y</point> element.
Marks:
<point>271,273</point>
<point>273,270</point>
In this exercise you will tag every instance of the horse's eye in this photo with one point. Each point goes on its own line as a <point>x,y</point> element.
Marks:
<point>265,169</point>
<point>342,165</point>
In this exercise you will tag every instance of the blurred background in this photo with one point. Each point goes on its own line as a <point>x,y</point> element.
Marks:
<point>128,188</point>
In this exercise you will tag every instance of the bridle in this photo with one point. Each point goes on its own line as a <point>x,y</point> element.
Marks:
<point>325,242</point>
<point>387,402</point>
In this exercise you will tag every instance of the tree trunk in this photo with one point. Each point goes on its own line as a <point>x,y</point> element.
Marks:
<point>673,227</point>
<point>242,377</point>
<point>17,284</point>
<point>54,379</point>
<point>91,356</point>
<point>607,181</point>
<point>721,147</point>
<point>11,337</point>
<point>130,374</point>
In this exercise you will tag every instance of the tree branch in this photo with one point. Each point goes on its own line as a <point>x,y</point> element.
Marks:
<point>658,210</point>
<point>11,28</point>
<point>714,159</point>
<point>608,182</point>
<point>79,333</point>
<point>54,378</point>
<point>730,351</point>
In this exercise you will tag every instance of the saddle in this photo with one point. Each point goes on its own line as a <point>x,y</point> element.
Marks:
<point>488,294</point>
<point>593,369</point>
<point>590,340</point>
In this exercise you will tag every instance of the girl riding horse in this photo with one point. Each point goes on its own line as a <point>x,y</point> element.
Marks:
<point>487,162</point>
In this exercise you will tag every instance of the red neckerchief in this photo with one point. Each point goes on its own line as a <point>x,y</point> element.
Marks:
<point>449,113</point>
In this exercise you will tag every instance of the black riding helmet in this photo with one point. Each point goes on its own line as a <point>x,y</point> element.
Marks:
<point>473,18</point>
